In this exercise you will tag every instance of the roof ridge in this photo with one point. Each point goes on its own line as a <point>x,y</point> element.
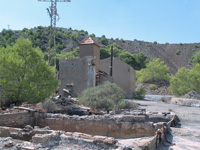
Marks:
<point>88,41</point>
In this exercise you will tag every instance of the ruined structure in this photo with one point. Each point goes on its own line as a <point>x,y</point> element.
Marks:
<point>41,130</point>
<point>88,71</point>
<point>80,73</point>
<point>123,75</point>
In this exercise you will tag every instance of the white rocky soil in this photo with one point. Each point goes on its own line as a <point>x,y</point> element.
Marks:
<point>187,135</point>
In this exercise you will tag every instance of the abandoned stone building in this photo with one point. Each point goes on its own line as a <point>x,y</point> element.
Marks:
<point>88,71</point>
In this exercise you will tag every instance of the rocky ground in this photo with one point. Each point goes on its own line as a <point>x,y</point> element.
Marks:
<point>187,134</point>
<point>162,88</point>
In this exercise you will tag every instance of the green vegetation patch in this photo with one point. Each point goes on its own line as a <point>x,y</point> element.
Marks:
<point>107,96</point>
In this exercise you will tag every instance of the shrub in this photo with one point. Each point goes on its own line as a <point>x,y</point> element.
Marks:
<point>153,86</point>
<point>196,46</point>
<point>106,97</point>
<point>155,42</point>
<point>126,105</point>
<point>166,43</point>
<point>140,94</point>
<point>122,40</point>
<point>178,52</point>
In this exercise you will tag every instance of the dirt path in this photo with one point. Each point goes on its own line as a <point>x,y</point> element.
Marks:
<point>187,137</point>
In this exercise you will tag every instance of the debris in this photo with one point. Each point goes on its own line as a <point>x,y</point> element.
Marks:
<point>24,108</point>
<point>192,95</point>
<point>28,128</point>
<point>8,144</point>
<point>41,110</point>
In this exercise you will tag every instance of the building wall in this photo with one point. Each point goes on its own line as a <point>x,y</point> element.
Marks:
<point>90,50</point>
<point>79,72</point>
<point>123,75</point>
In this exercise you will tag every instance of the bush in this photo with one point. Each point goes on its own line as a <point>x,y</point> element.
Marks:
<point>106,97</point>
<point>196,46</point>
<point>155,42</point>
<point>178,52</point>
<point>140,94</point>
<point>153,86</point>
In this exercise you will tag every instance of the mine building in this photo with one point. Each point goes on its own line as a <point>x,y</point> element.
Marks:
<point>89,71</point>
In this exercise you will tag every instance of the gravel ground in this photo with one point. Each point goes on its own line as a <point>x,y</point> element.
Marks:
<point>187,135</point>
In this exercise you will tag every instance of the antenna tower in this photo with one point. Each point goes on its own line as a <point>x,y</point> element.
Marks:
<point>52,11</point>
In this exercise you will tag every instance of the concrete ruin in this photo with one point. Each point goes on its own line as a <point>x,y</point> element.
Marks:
<point>93,132</point>
<point>80,73</point>
<point>88,71</point>
<point>123,75</point>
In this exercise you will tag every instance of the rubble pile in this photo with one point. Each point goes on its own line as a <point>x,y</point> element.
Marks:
<point>42,138</point>
<point>64,101</point>
<point>192,95</point>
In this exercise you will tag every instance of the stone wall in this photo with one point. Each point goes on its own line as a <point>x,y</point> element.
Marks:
<point>122,126</point>
<point>79,72</point>
<point>17,119</point>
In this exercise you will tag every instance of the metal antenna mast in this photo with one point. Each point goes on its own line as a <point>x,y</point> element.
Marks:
<point>53,17</point>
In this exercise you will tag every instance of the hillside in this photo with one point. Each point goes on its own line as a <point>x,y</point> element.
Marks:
<point>174,55</point>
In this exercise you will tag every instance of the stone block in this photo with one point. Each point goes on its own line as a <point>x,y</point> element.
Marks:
<point>99,139</point>
<point>46,139</point>
<point>86,136</point>
<point>127,118</point>
<point>110,140</point>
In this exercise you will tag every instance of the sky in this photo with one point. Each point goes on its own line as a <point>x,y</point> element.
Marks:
<point>172,21</point>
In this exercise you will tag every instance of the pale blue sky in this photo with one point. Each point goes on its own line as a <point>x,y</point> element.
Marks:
<point>173,21</point>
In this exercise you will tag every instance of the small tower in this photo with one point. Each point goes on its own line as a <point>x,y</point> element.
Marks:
<point>88,47</point>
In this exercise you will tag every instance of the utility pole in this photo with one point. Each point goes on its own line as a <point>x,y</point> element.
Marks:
<point>111,62</point>
<point>0,97</point>
<point>53,18</point>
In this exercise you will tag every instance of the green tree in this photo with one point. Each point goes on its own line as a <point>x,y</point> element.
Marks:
<point>186,80</point>
<point>196,58</point>
<point>155,70</point>
<point>141,61</point>
<point>104,41</point>
<point>128,58</point>
<point>24,75</point>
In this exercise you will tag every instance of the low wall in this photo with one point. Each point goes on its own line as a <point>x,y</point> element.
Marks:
<point>20,119</point>
<point>186,102</point>
<point>126,126</point>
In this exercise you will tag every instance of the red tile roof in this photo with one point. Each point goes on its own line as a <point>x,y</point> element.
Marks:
<point>88,40</point>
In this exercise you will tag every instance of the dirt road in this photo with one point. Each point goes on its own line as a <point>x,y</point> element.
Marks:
<point>187,136</point>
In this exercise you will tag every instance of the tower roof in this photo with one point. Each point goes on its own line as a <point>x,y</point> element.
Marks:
<point>88,41</point>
